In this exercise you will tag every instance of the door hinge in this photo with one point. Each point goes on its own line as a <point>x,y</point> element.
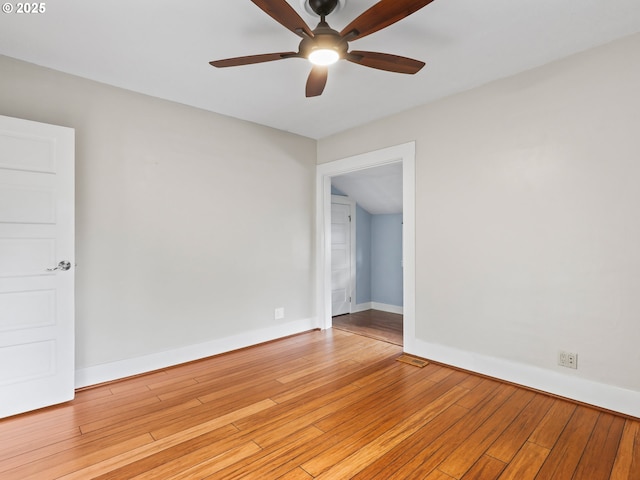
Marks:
<point>349,217</point>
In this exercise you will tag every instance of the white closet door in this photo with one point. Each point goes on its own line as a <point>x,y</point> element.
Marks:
<point>340,259</point>
<point>36,265</point>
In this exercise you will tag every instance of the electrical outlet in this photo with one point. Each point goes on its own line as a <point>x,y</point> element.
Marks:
<point>278,313</point>
<point>572,360</point>
<point>567,359</point>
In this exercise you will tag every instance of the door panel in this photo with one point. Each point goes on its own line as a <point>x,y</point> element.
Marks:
<point>27,197</point>
<point>25,256</point>
<point>28,361</point>
<point>28,309</point>
<point>25,151</point>
<point>36,233</point>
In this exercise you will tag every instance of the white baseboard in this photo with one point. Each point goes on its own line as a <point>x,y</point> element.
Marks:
<point>598,394</point>
<point>156,361</point>
<point>361,307</point>
<point>383,307</point>
<point>387,308</point>
<point>593,393</point>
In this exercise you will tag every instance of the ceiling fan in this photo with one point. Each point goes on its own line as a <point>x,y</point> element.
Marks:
<point>324,46</point>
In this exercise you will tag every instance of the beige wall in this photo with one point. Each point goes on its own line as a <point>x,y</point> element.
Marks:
<point>527,224</point>
<point>191,227</point>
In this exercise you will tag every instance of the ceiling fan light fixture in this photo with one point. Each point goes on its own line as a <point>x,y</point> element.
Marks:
<point>324,56</point>
<point>324,46</point>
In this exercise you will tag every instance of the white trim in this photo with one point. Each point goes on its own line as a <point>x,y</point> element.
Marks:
<point>362,307</point>
<point>134,366</point>
<point>385,307</point>
<point>404,153</point>
<point>593,393</point>
<point>346,200</point>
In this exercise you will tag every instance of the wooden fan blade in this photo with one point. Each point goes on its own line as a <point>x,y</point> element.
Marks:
<point>316,81</point>
<point>381,15</point>
<point>267,57</point>
<point>385,61</point>
<point>284,14</point>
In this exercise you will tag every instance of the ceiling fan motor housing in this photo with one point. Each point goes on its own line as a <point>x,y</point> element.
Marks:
<point>324,38</point>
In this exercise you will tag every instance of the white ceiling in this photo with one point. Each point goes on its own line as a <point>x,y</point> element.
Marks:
<point>162,48</point>
<point>378,190</point>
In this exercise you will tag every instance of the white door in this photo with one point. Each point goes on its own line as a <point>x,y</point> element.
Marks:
<point>340,257</point>
<point>36,236</point>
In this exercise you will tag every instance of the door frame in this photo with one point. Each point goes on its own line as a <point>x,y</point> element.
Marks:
<point>345,200</point>
<point>404,153</point>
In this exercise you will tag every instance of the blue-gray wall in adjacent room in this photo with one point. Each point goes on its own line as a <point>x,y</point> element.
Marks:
<point>386,259</point>
<point>363,255</point>
<point>335,191</point>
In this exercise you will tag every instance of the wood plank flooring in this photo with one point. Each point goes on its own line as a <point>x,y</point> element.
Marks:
<point>372,323</point>
<point>326,405</point>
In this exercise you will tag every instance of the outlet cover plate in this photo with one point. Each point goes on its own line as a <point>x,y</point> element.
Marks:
<point>568,359</point>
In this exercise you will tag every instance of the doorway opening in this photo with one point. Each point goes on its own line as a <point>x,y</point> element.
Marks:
<point>405,156</point>
<point>366,226</point>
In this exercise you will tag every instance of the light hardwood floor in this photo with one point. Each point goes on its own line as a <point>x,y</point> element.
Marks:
<point>328,405</point>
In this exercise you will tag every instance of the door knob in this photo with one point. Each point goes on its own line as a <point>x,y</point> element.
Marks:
<point>63,265</point>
